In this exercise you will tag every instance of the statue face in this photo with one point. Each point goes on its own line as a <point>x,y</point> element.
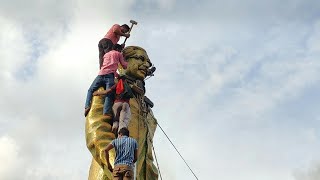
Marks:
<point>138,64</point>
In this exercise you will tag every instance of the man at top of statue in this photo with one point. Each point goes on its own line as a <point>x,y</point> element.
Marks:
<point>111,38</point>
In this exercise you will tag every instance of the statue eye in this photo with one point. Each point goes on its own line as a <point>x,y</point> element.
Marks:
<point>141,57</point>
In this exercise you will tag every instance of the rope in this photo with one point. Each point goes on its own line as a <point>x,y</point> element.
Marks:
<point>138,133</point>
<point>147,78</point>
<point>155,156</point>
<point>149,138</point>
<point>177,151</point>
<point>138,126</point>
<point>139,101</point>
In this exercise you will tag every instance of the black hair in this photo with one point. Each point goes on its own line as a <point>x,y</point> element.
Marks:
<point>117,47</point>
<point>125,26</point>
<point>124,131</point>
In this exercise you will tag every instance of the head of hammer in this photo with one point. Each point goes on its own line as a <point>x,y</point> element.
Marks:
<point>133,22</point>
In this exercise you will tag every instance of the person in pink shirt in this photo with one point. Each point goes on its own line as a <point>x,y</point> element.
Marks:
<point>105,79</point>
<point>111,38</point>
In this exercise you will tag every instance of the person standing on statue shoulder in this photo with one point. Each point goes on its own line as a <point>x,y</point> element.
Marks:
<point>111,38</point>
<point>105,79</point>
<point>126,155</point>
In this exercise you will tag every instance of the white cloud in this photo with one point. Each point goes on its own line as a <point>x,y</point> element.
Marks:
<point>10,158</point>
<point>217,89</point>
<point>313,43</point>
<point>311,174</point>
<point>12,55</point>
<point>166,4</point>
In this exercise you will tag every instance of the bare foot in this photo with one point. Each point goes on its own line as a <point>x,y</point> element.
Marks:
<point>115,127</point>
<point>107,116</point>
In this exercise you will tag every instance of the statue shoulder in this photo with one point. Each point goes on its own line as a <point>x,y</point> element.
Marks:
<point>138,87</point>
<point>148,102</point>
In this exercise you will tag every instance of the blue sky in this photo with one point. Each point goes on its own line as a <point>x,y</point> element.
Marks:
<point>236,86</point>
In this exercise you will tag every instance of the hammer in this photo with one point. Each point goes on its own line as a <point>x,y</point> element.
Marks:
<point>132,23</point>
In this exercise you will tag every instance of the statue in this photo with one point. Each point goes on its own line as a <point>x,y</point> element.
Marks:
<point>142,124</point>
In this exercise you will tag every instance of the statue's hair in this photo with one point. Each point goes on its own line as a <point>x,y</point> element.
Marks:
<point>129,51</point>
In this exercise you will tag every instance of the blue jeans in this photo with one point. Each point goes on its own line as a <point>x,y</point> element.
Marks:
<point>105,81</point>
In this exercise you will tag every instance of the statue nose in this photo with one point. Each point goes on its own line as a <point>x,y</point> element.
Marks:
<point>147,64</point>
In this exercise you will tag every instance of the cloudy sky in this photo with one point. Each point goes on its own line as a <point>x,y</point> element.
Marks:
<point>236,88</point>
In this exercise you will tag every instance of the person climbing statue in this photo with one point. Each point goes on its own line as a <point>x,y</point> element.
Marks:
<point>126,155</point>
<point>121,107</point>
<point>105,79</point>
<point>111,38</point>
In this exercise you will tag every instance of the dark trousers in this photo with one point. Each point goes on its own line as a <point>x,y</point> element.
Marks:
<point>105,45</point>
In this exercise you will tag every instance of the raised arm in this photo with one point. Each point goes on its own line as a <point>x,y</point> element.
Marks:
<point>123,63</point>
<point>135,152</point>
<point>104,92</point>
<point>135,155</point>
<point>108,148</point>
<point>117,30</point>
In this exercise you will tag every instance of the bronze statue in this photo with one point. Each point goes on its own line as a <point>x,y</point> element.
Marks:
<point>142,124</point>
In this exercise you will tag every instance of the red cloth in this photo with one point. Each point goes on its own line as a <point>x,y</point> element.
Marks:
<point>120,87</point>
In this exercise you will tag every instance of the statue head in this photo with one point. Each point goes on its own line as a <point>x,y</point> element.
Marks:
<point>138,62</point>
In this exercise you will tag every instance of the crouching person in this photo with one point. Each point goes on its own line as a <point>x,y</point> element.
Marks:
<point>126,155</point>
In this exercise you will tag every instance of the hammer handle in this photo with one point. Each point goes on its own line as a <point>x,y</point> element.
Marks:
<point>129,33</point>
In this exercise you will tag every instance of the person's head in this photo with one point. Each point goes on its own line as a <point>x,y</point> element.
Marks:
<point>125,28</point>
<point>138,62</point>
<point>124,132</point>
<point>117,47</point>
